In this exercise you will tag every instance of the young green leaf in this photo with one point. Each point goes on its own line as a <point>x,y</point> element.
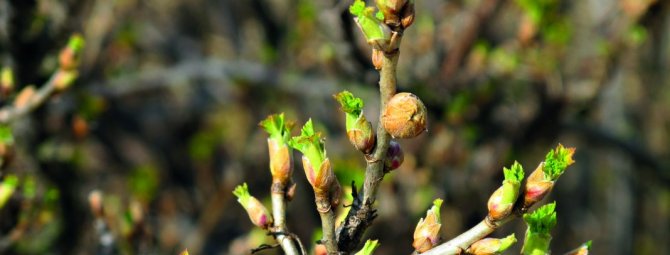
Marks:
<point>310,144</point>
<point>514,173</point>
<point>557,161</point>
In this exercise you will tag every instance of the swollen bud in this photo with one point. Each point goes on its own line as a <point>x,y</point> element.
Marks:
<point>407,17</point>
<point>370,23</point>
<point>537,187</point>
<point>69,56</point>
<point>404,116</point>
<point>394,157</point>
<point>281,156</point>
<point>491,246</point>
<point>540,222</point>
<point>502,201</point>
<point>258,214</point>
<point>542,180</point>
<point>317,167</point>
<point>427,232</point>
<point>359,129</point>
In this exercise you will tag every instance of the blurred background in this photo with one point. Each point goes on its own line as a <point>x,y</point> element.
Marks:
<point>163,119</point>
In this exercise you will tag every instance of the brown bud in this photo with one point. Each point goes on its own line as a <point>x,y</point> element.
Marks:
<point>491,246</point>
<point>404,116</point>
<point>394,157</point>
<point>361,135</point>
<point>281,161</point>
<point>377,58</point>
<point>258,214</point>
<point>320,180</point>
<point>427,232</point>
<point>407,15</point>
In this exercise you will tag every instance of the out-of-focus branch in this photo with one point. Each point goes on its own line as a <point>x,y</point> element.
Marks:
<point>62,78</point>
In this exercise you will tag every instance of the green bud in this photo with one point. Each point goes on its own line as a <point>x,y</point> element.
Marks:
<point>7,188</point>
<point>369,248</point>
<point>540,222</point>
<point>376,32</point>
<point>258,214</point>
<point>502,201</point>
<point>310,144</point>
<point>359,129</point>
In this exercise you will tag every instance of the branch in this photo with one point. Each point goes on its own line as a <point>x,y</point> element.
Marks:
<point>361,214</point>
<point>279,215</point>
<point>14,111</point>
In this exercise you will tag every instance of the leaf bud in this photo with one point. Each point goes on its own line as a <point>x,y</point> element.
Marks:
<point>359,129</point>
<point>258,214</point>
<point>427,232</point>
<point>69,56</point>
<point>502,201</point>
<point>404,116</point>
<point>281,156</point>
<point>394,157</point>
<point>491,246</point>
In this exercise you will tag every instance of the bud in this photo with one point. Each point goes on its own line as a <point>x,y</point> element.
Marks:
<point>404,116</point>
<point>377,58</point>
<point>6,80</point>
<point>537,187</point>
<point>320,249</point>
<point>394,157</point>
<point>502,201</point>
<point>7,187</point>
<point>369,247</point>
<point>184,252</point>
<point>359,129</point>
<point>540,222</point>
<point>370,23</point>
<point>95,203</point>
<point>391,10</point>
<point>426,234</point>
<point>257,212</point>
<point>407,15</point>
<point>581,250</point>
<point>491,246</point>
<point>24,97</point>
<point>542,180</point>
<point>69,56</point>
<point>317,167</point>
<point>6,145</point>
<point>281,156</point>
<point>64,79</point>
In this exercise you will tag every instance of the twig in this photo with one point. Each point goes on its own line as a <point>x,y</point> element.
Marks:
<point>12,112</point>
<point>279,215</point>
<point>328,227</point>
<point>361,214</point>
